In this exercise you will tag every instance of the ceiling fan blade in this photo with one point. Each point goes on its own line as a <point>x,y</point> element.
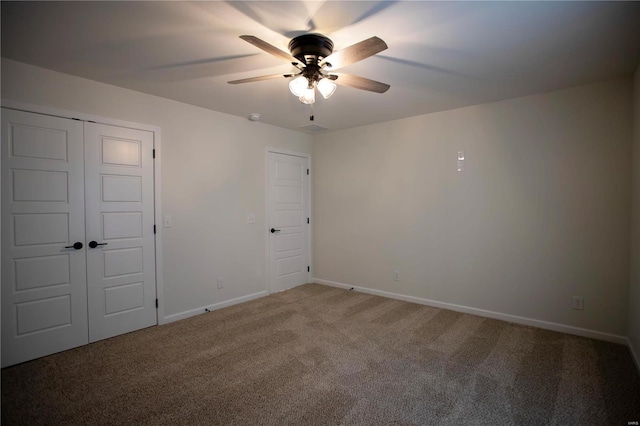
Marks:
<point>361,83</point>
<point>269,48</point>
<point>260,78</point>
<point>354,53</point>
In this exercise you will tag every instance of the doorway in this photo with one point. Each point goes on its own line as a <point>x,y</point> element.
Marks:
<point>288,208</point>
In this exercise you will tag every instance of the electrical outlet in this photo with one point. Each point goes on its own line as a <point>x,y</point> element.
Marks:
<point>578,303</point>
<point>220,282</point>
<point>396,275</point>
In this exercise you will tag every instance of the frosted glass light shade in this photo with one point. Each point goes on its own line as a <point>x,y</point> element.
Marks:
<point>298,85</point>
<point>326,87</point>
<point>308,96</point>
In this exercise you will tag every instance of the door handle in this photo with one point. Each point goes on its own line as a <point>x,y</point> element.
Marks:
<point>76,246</point>
<point>94,244</point>
<point>273,230</point>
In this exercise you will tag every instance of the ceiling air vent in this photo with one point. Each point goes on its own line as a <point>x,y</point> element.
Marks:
<point>313,128</point>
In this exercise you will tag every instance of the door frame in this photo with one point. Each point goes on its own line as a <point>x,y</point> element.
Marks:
<point>157,193</point>
<point>269,150</point>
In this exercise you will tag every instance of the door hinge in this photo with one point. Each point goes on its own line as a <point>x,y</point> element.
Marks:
<point>307,172</point>
<point>307,220</point>
<point>154,229</point>
<point>308,268</point>
<point>154,153</point>
<point>156,303</point>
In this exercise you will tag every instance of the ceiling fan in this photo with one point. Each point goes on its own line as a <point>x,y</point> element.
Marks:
<point>313,56</point>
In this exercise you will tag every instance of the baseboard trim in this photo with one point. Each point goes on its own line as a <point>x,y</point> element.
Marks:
<point>634,355</point>
<point>569,329</point>
<point>198,311</point>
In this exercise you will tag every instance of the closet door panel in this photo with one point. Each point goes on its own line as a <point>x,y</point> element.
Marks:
<point>119,215</point>
<point>44,293</point>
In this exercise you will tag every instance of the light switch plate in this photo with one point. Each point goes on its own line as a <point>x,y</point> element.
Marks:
<point>460,164</point>
<point>168,222</point>
<point>578,303</point>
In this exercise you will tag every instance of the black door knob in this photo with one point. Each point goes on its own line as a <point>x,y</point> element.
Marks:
<point>76,246</point>
<point>273,230</point>
<point>94,244</point>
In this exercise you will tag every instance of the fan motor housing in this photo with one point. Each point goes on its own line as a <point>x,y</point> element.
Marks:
<point>310,46</point>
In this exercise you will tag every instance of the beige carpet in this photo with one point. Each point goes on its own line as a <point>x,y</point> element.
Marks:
<point>321,355</point>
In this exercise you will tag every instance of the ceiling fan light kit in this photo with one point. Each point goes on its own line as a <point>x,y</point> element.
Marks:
<point>312,55</point>
<point>308,96</point>
<point>326,87</point>
<point>298,85</point>
<point>304,88</point>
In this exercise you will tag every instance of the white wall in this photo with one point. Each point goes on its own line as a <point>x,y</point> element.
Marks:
<point>540,214</point>
<point>634,287</point>
<point>213,170</point>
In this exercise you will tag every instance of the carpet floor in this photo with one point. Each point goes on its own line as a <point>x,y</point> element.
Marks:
<point>317,355</point>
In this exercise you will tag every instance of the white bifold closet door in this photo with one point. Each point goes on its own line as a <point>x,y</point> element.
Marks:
<point>77,233</point>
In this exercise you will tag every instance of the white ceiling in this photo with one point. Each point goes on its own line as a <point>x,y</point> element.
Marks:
<point>441,55</point>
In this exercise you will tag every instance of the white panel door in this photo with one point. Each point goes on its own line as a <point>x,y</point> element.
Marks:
<point>288,228</point>
<point>44,293</point>
<point>120,220</point>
